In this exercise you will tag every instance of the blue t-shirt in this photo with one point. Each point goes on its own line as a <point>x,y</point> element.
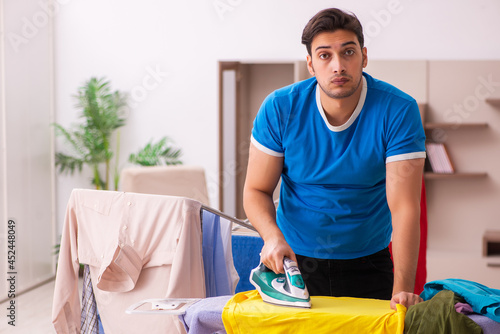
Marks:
<point>333,196</point>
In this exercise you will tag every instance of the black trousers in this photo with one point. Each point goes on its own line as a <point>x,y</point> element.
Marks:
<point>365,277</point>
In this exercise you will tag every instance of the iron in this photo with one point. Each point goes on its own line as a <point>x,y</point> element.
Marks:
<point>286,289</point>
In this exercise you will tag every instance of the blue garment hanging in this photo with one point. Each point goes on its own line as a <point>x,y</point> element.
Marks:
<point>214,260</point>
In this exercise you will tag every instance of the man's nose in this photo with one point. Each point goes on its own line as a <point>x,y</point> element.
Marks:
<point>337,65</point>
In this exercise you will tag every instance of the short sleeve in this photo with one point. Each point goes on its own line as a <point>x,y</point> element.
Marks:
<point>405,137</point>
<point>267,132</point>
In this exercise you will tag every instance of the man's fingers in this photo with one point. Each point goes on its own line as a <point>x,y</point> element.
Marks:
<point>406,299</point>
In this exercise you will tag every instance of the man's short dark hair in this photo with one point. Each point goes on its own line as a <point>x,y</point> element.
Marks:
<point>330,20</point>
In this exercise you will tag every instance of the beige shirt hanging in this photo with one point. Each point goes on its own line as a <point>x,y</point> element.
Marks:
<point>138,246</point>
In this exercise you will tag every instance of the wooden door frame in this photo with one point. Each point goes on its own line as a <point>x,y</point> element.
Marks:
<point>225,66</point>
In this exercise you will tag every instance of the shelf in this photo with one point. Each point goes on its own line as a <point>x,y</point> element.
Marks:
<point>435,176</point>
<point>494,101</point>
<point>491,243</point>
<point>454,126</point>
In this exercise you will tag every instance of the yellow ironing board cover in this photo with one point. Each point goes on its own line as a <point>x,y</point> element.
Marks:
<point>245,312</point>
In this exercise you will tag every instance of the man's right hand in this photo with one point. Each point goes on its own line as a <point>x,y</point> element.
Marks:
<point>263,174</point>
<point>273,252</point>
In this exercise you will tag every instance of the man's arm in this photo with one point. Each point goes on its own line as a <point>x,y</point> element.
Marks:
<point>404,184</point>
<point>263,174</point>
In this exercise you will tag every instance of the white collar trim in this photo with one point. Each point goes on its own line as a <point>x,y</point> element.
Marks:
<point>354,115</point>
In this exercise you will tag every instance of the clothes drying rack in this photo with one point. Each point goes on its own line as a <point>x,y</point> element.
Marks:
<point>244,223</point>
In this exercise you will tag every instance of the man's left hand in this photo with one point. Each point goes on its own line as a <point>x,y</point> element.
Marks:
<point>406,299</point>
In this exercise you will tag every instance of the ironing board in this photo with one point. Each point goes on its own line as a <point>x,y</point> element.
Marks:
<point>440,313</point>
<point>245,312</point>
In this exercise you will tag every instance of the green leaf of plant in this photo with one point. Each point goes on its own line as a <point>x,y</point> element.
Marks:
<point>154,154</point>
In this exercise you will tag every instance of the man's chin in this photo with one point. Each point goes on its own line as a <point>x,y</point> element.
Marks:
<point>340,93</point>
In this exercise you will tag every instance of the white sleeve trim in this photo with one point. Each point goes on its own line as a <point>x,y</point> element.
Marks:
<point>265,149</point>
<point>406,156</point>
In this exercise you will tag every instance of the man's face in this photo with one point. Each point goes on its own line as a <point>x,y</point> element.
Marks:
<point>337,61</point>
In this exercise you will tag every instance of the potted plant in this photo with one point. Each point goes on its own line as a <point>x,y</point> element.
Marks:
<point>91,140</point>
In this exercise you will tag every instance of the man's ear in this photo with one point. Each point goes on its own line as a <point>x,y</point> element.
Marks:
<point>365,57</point>
<point>310,67</point>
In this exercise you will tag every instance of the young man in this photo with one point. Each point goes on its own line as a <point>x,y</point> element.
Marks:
<point>350,153</point>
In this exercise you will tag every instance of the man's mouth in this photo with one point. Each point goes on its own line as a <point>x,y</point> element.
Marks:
<point>340,80</point>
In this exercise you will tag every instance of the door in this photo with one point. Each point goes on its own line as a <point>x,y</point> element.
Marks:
<point>242,89</point>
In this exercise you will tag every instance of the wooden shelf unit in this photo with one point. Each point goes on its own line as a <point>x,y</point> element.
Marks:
<point>430,126</point>
<point>464,115</point>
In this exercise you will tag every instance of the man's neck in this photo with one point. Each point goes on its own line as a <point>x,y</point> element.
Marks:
<point>338,111</point>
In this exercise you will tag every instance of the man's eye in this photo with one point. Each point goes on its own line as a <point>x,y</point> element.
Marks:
<point>323,56</point>
<point>349,52</point>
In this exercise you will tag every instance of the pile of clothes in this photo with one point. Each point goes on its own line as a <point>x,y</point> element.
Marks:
<point>455,306</point>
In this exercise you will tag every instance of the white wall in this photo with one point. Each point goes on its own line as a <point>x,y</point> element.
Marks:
<point>125,40</point>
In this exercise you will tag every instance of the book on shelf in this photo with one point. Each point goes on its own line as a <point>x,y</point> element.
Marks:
<point>439,159</point>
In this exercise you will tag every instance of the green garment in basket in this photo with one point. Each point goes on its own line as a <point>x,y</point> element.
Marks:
<point>438,316</point>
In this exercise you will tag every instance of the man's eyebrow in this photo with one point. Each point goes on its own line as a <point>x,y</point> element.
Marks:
<point>329,47</point>
<point>348,43</point>
<point>323,47</point>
